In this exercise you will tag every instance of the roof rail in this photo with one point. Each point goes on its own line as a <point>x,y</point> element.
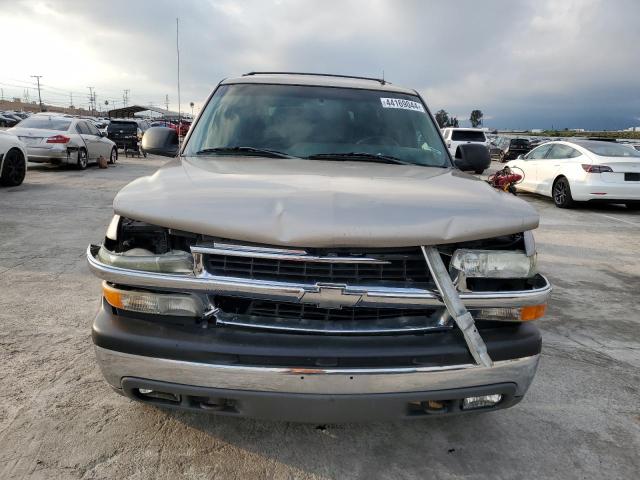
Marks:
<point>382,81</point>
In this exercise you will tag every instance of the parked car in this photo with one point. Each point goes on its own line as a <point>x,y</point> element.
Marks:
<point>13,160</point>
<point>58,139</point>
<point>313,255</point>
<point>461,136</point>
<point>127,135</point>
<point>582,171</point>
<point>6,121</point>
<point>511,148</point>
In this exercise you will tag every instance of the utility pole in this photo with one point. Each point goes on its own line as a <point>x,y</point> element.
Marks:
<point>125,97</point>
<point>71,100</point>
<point>38,77</point>
<point>166,101</point>
<point>91,108</point>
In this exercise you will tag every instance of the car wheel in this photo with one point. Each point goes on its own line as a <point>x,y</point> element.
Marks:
<point>633,205</point>
<point>479,172</point>
<point>113,158</point>
<point>13,169</point>
<point>562,193</point>
<point>82,159</point>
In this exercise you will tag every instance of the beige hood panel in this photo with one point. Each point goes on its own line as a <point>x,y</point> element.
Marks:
<point>322,203</point>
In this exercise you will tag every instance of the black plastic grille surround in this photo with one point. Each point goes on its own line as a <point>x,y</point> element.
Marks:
<point>406,266</point>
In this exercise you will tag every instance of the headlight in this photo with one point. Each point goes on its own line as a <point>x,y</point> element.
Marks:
<point>175,261</point>
<point>493,263</point>
<point>156,303</point>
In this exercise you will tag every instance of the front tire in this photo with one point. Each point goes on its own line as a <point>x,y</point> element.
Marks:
<point>562,193</point>
<point>113,158</point>
<point>633,206</point>
<point>479,172</point>
<point>14,169</point>
<point>82,161</point>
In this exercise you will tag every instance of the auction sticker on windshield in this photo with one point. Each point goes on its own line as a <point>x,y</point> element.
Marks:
<point>402,103</point>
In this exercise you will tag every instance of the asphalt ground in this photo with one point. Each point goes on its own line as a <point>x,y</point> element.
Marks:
<point>59,419</point>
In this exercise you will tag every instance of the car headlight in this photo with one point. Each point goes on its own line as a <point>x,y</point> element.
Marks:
<point>175,261</point>
<point>493,263</point>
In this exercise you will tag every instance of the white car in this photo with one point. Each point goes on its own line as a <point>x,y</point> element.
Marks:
<point>459,136</point>
<point>13,160</point>
<point>61,139</point>
<point>582,170</point>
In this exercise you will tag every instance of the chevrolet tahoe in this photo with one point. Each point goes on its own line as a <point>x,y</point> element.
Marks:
<point>312,253</point>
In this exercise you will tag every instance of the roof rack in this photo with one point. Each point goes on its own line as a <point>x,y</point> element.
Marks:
<point>382,81</point>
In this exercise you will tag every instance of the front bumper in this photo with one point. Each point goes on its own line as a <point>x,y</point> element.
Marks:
<point>280,376</point>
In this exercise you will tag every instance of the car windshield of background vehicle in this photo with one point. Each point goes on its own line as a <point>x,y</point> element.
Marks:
<point>45,123</point>
<point>467,136</point>
<point>303,121</point>
<point>610,149</point>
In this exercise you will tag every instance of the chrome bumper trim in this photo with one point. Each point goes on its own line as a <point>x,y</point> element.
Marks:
<point>364,296</point>
<point>335,381</point>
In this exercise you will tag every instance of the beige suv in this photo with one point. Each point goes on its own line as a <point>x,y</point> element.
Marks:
<point>312,254</point>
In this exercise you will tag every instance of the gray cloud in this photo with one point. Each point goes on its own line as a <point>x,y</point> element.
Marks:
<point>524,63</point>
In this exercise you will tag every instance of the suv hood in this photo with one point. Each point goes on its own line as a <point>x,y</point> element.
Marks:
<point>292,202</point>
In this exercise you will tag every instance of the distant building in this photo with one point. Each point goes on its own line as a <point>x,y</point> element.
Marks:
<point>577,130</point>
<point>536,130</point>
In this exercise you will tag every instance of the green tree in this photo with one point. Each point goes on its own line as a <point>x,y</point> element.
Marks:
<point>476,118</point>
<point>442,117</point>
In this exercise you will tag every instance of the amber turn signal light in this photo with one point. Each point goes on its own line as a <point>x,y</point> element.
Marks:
<point>532,312</point>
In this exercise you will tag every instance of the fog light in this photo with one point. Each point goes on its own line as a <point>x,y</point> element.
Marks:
<point>482,401</point>
<point>149,302</point>
<point>145,391</point>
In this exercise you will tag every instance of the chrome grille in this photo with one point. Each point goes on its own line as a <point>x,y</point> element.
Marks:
<point>404,266</point>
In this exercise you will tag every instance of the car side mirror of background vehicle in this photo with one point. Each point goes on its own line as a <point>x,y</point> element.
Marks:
<point>160,141</point>
<point>470,156</point>
<point>520,157</point>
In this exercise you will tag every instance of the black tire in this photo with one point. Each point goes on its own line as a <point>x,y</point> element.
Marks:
<point>14,168</point>
<point>633,205</point>
<point>83,160</point>
<point>561,193</point>
<point>113,158</point>
<point>479,172</point>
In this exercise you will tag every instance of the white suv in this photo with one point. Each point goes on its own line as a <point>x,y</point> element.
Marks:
<point>458,136</point>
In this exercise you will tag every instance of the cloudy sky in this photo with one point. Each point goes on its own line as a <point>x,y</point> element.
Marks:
<point>525,64</point>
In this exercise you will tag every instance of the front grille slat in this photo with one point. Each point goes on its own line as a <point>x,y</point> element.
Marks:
<point>407,267</point>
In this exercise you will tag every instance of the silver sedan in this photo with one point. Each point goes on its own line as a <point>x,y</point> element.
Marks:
<point>60,139</point>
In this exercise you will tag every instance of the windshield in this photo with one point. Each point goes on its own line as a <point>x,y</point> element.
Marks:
<point>610,149</point>
<point>467,136</point>
<point>303,121</point>
<point>45,123</point>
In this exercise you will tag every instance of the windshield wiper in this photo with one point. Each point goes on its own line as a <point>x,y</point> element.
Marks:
<point>360,157</point>
<point>262,152</point>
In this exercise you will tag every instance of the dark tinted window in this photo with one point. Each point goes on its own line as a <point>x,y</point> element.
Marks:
<point>519,142</point>
<point>467,136</point>
<point>93,130</point>
<point>46,123</point>
<point>123,126</point>
<point>610,149</point>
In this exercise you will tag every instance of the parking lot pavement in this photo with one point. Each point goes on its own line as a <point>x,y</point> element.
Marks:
<point>59,419</point>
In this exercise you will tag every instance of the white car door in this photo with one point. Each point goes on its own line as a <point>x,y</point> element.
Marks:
<point>557,160</point>
<point>529,165</point>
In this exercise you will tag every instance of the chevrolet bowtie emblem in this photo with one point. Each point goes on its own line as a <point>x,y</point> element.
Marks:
<point>331,295</point>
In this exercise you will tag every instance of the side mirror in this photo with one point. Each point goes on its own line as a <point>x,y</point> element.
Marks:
<point>520,157</point>
<point>103,134</point>
<point>470,156</point>
<point>160,141</point>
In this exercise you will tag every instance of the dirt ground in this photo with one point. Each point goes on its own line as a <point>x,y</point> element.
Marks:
<point>59,419</point>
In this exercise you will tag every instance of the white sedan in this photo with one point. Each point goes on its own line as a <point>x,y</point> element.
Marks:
<point>13,160</point>
<point>581,171</point>
<point>61,139</point>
